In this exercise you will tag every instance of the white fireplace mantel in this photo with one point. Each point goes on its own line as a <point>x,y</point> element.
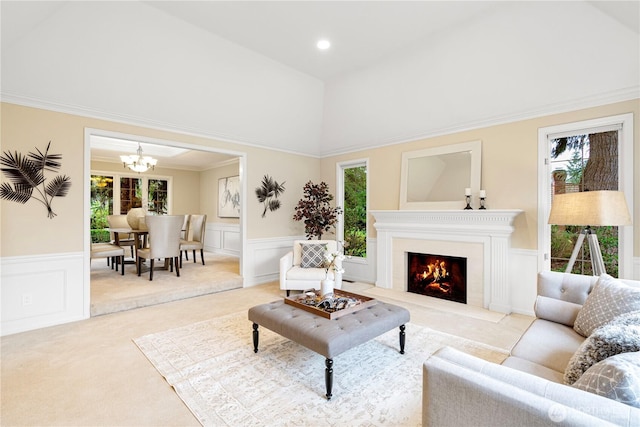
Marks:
<point>491,228</point>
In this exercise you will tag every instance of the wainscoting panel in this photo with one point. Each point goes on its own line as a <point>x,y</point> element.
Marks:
<point>40,291</point>
<point>263,259</point>
<point>523,275</point>
<point>362,269</point>
<point>223,238</point>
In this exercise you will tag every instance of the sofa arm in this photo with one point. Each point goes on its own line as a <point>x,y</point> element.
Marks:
<point>463,390</point>
<point>286,262</point>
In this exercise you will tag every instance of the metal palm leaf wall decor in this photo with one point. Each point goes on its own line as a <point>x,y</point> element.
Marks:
<point>268,194</point>
<point>26,173</point>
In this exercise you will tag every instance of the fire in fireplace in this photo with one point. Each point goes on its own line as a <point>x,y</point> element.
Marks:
<point>437,276</point>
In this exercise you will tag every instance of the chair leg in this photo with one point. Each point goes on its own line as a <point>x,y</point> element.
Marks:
<point>181,258</point>
<point>288,292</point>
<point>202,255</point>
<point>177,268</point>
<point>122,260</point>
<point>151,270</point>
<point>194,256</point>
<point>138,265</point>
<point>186,255</point>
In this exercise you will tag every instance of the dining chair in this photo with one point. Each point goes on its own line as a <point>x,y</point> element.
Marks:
<point>120,221</point>
<point>109,251</point>
<point>195,231</point>
<point>164,242</point>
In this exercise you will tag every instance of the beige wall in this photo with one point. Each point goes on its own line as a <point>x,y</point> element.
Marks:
<point>509,175</point>
<point>26,230</point>
<point>209,192</point>
<point>509,167</point>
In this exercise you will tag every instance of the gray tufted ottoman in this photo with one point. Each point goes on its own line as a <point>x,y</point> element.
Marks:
<point>325,336</point>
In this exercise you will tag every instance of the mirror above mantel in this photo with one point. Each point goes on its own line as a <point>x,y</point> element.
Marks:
<point>436,178</point>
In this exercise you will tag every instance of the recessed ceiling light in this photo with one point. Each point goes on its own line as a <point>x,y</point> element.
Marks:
<point>323,44</point>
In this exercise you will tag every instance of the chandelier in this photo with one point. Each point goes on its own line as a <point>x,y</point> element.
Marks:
<point>138,162</point>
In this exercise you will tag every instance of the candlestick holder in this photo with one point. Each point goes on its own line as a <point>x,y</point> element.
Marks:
<point>482,204</point>
<point>468,198</point>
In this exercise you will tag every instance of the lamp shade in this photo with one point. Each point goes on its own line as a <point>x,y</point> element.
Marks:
<point>590,208</point>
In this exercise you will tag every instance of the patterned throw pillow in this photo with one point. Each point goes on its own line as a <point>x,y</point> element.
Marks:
<point>617,378</point>
<point>313,255</point>
<point>622,335</point>
<point>608,299</point>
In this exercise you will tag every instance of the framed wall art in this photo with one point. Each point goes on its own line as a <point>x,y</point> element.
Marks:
<point>229,197</point>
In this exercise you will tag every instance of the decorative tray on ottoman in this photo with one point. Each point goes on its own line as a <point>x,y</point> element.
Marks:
<point>332,307</point>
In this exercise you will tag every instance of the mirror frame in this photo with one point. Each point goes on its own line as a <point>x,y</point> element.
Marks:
<point>475,147</point>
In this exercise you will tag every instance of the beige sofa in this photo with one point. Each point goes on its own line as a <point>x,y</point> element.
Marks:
<point>527,389</point>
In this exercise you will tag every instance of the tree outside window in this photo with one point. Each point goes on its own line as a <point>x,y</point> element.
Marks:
<point>586,162</point>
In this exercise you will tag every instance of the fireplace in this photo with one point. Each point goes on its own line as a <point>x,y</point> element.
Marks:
<point>483,237</point>
<point>438,276</point>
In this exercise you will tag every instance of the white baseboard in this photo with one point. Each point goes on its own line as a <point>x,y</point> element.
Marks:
<point>42,290</point>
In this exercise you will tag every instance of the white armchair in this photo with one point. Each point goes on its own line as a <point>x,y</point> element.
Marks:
<point>296,275</point>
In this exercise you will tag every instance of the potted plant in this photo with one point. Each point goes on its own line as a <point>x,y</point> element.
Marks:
<point>316,212</point>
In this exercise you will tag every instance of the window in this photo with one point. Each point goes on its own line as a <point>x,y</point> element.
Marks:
<point>607,144</point>
<point>584,162</point>
<point>101,206</point>
<point>352,193</point>
<point>134,192</point>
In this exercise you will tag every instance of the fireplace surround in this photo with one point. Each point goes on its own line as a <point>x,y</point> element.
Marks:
<point>483,237</point>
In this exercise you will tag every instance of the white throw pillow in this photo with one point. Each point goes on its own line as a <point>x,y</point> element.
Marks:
<point>617,378</point>
<point>608,299</point>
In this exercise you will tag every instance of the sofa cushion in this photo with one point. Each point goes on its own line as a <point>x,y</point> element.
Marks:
<point>622,335</point>
<point>609,299</point>
<point>617,378</point>
<point>529,367</point>
<point>556,310</point>
<point>549,344</point>
<point>313,255</point>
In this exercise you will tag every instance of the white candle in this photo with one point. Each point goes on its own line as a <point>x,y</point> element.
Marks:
<point>467,191</point>
<point>483,193</point>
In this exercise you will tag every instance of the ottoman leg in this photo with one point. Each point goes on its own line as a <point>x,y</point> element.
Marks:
<point>402,338</point>
<point>328,377</point>
<point>255,337</point>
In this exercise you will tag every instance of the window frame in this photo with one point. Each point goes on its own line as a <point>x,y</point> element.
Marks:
<point>624,123</point>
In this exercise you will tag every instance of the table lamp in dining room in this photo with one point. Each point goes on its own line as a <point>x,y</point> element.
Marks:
<point>589,208</point>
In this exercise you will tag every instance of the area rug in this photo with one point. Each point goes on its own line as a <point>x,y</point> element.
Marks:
<point>212,367</point>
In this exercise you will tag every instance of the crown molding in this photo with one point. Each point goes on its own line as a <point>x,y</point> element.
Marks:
<point>27,101</point>
<point>621,95</point>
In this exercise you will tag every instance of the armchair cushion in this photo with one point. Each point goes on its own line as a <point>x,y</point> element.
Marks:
<point>313,255</point>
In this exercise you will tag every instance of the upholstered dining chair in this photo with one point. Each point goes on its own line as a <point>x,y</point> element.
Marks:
<point>109,251</point>
<point>120,221</point>
<point>164,242</point>
<point>195,236</point>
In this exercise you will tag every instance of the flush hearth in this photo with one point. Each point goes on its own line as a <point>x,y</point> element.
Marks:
<point>438,276</point>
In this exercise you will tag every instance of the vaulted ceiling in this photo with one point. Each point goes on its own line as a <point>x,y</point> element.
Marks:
<point>250,72</point>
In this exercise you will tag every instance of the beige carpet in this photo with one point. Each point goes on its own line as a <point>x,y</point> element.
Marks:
<point>112,292</point>
<point>212,367</point>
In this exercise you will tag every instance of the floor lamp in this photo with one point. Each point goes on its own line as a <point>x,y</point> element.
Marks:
<point>589,208</point>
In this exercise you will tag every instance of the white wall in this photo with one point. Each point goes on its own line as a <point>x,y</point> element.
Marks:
<point>131,62</point>
<point>516,63</point>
